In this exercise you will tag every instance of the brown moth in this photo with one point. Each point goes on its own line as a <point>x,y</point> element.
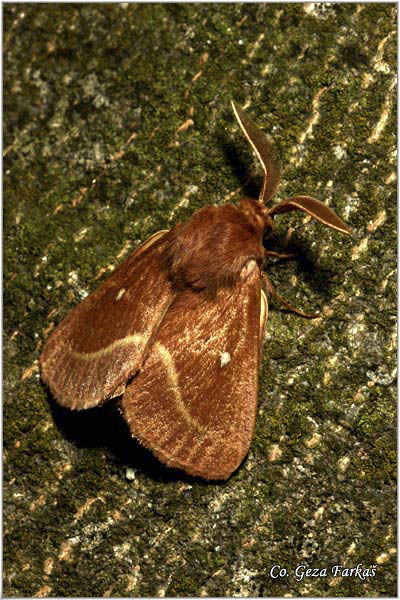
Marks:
<point>178,330</point>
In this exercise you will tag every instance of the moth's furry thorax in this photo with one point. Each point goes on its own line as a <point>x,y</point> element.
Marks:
<point>210,250</point>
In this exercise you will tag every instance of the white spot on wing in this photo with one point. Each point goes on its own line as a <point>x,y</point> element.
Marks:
<point>121,292</point>
<point>225,358</point>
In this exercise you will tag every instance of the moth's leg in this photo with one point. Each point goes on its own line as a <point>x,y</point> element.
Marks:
<point>279,254</point>
<point>270,288</point>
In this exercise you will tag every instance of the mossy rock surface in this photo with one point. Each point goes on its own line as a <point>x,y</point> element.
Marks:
<point>117,123</point>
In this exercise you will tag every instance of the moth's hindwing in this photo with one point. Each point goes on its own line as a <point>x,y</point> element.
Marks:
<point>102,342</point>
<point>194,401</point>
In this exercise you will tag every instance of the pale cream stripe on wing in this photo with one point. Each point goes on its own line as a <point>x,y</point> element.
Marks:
<point>263,314</point>
<point>153,238</point>
<point>177,448</point>
<point>164,439</point>
<point>135,339</point>
<point>195,444</point>
<point>172,375</point>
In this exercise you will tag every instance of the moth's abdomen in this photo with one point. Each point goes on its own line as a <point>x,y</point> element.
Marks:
<point>211,249</point>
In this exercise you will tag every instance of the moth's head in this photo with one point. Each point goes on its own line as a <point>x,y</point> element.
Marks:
<point>256,213</point>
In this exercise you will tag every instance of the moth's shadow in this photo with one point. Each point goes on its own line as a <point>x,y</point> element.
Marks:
<point>250,182</point>
<point>104,427</point>
<point>312,270</point>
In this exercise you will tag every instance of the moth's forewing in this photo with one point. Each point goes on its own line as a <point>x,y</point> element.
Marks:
<point>102,342</point>
<point>193,403</point>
